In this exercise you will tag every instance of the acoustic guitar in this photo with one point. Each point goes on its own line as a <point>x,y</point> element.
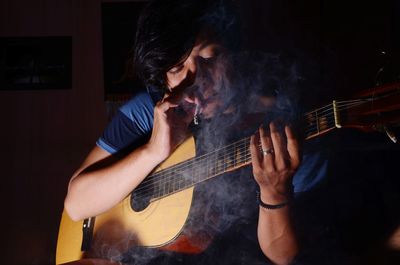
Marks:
<point>155,213</point>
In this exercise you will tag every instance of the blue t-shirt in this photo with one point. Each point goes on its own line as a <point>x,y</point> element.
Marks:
<point>131,125</point>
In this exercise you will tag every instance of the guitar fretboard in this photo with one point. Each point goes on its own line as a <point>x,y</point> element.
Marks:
<point>196,170</point>
<point>228,158</point>
<point>236,155</point>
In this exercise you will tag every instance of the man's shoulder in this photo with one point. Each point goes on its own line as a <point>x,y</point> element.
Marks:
<point>140,104</point>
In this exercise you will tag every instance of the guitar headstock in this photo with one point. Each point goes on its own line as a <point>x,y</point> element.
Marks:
<point>376,109</point>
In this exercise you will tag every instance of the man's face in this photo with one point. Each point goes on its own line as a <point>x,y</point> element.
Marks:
<point>199,71</point>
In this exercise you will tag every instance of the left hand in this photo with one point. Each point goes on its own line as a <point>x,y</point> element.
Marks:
<point>275,164</point>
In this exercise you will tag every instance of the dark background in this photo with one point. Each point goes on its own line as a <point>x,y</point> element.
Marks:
<point>47,133</point>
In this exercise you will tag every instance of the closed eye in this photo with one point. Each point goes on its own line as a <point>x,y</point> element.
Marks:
<point>207,60</point>
<point>175,69</point>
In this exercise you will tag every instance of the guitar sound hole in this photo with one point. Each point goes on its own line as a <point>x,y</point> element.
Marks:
<point>139,202</point>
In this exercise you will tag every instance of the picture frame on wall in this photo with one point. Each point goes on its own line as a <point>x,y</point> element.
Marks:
<point>35,63</point>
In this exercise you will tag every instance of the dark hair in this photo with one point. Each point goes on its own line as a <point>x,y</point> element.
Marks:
<point>167,30</point>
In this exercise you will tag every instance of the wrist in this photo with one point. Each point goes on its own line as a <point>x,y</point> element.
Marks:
<point>273,196</point>
<point>154,153</point>
<point>270,206</point>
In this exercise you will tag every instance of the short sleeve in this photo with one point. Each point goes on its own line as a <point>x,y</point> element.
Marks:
<point>130,127</point>
<point>313,169</point>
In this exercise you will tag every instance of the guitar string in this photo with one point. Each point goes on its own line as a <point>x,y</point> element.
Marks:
<point>354,102</point>
<point>244,162</point>
<point>169,177</point>
<point>327,128</point>
<point>216,151</point>
<point>216,170</point>
<point>343,107</point>
<point>339,105</point>
<point>197,160</point>
<point>167,181</point>
<point>239,148</point>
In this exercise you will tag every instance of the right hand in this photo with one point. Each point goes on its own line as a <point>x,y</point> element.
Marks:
<point>170,127</point>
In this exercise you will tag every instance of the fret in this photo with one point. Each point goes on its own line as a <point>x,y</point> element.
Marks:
<point>219,166</point>
<point>176,183</point>
<point>191,174</point>
<point>224,160</point>
<point>214,165</point>
<point>172,181</point>
<point>238,156</point>
<point>247,147</point>
<point>208,166</point>
<point>317,120</point>
<point>201,171</point>
<point>229,161</point>
<point>163,188</point>
<point>167,183</point>
<point>233,157</point>
<point>323,124</point>
<point>180,183</point>
<point>159,190</point>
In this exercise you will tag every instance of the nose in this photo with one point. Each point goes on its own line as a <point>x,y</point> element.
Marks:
<point>191,71</point>
<point>192,68</point>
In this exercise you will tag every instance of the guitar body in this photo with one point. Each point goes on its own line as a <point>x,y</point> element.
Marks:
<point>160,224</point>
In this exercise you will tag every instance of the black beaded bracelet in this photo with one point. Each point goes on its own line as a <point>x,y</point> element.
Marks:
<point>270,206</point>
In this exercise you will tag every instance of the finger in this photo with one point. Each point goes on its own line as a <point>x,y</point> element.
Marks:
<point>175,96</point>
<point>165,105</point>
<point>293,147</point>
<point>176,100</point>
<point>256,156</point>
<point>267,145</point>
<point>279,145</point>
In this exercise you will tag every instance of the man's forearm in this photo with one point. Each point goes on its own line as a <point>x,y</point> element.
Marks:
<point>92,192</point>
<point>276,234</point>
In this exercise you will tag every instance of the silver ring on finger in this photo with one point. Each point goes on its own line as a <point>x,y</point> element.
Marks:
<point>268,151</point>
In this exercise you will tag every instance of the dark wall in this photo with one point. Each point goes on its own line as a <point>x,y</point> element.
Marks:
<point>339,45</point>
<point>46,134</point>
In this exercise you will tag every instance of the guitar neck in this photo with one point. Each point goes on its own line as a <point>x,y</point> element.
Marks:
<point>236,155</point>
<point>198,169</point>
<point>226,159</point>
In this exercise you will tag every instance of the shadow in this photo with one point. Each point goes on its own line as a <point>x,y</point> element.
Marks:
<point>351,217</point>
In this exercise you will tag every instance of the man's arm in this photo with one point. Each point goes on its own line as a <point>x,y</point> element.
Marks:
<point>98,185</point>
<point>94,188</point>
<point>273,171</point>
<point>276,235</point>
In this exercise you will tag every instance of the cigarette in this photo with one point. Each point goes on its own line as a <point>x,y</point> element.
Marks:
<point>196,113</point>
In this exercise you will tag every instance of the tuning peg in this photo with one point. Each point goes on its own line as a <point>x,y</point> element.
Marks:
<point>390,134</point>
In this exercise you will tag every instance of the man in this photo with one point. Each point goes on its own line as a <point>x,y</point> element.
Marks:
<point>175,39</point>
